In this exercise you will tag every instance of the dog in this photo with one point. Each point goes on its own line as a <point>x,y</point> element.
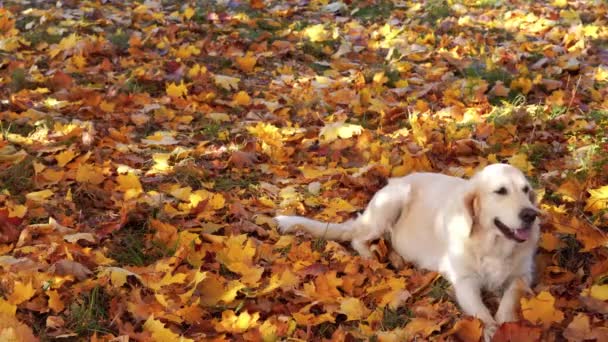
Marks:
<point>479,233</point>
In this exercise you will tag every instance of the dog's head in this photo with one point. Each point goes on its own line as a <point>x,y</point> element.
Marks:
<point>502,200</point>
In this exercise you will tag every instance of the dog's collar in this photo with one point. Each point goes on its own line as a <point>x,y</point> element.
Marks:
<point>506,231</point>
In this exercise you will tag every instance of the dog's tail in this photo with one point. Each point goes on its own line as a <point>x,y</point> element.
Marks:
<point>330,231</point>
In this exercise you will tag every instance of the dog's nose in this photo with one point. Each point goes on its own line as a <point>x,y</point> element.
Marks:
<point>528,215</point>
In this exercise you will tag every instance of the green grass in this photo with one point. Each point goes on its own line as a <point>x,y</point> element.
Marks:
<point>19,79</point>
<point>319,244</point>
<point>88,314</point>
<point>493,75</point>
<point>120,40</point>
<point>439,289</point>
<point>132,245</point>
<point>570,257</point>
<point>226,183</point>
<point>381,10</point>
<point>189,175</point>
<point>393,319</point>
<point>436,10</point>
<point>18,179</point>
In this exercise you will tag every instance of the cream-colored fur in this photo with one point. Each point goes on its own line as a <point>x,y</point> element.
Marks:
<point>453,226</point>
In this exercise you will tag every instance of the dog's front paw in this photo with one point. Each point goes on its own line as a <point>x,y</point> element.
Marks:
<point>504,315</point>
<point>488,331</point>
<point>284,224</point>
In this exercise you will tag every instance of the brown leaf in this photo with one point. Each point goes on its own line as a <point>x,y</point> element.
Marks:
<point>69,267</point>
<point>517,332</point>
<point>241,159</point>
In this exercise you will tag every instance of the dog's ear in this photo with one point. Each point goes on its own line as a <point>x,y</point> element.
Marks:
<point>471,204</point>
<point>532,197</point>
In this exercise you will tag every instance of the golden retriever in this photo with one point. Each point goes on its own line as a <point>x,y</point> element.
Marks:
<point>479,233</point>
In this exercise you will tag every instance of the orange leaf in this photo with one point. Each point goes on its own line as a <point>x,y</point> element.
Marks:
<point>516,332</point>
<point>541,309</point>
<point>247,62</point>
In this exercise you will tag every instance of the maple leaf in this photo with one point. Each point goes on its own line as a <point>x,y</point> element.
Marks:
<point>541,309</point>
<point>160,334</point>
<point>11,330</point>
<point>227,82</point>
<point>337,130</point>
<point>176,90</point>
<point>354,309</point>
<point>246,63</point>
<point>129,184</point>
<point>232,323</point>
<point>238,255</point>
<point>598,199</point>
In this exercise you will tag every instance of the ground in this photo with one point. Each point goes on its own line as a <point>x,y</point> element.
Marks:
<point>146,145</point>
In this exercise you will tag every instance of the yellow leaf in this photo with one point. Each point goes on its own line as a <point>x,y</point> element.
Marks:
<point>188,12</point>
<point>183,194</point>
<point>232,323</point>
<point>227,82</point>
<point>556,98</point>
<point>354,309</point>
<point>106,106</point>
<point>599,292</point>
<point>541,309</point>
<point>88,173</point>
<point>130,185</point>
<point>242,98</point>
<point>560,3</point>
<point>468,330</point>
<point>55,302</point>
<point>66,44</point>
<point>78,61</point>
<point>237,256</point>
<point>337,205</point>
<point>198,277</point>
<point>16,210</point>
<point>7,308</point>
<point>53,176</point>
<point>215,201</point>
<point>168,279</point>
<point>161,334</point>
<point>522,83</point>
<point>39,196</point>
<point>420,328</point>
<point>65,157</point>
<point>520,161</point>
<point>337,130</point>
<point>247,62</point>
<point>197,70</point>
<point>186,51</point>
<point>11,330</point>
<point>317,33</point>
<point>598,200</point>
<point>174,90</point>
<point>21,293</point>
<point>217,290</point>
<point>118,276</point>
<point>549,242</point>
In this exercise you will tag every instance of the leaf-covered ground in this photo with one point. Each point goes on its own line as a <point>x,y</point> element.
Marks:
<point>145,146</point>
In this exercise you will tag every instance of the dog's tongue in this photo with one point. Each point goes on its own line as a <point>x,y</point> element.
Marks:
<point>522,234</point>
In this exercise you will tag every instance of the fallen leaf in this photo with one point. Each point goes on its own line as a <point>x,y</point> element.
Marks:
<point>541,309</point>
<point>160,333</point>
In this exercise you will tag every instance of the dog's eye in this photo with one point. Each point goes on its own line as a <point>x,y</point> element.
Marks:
<point>501,191</point>
<point>526,189</point>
